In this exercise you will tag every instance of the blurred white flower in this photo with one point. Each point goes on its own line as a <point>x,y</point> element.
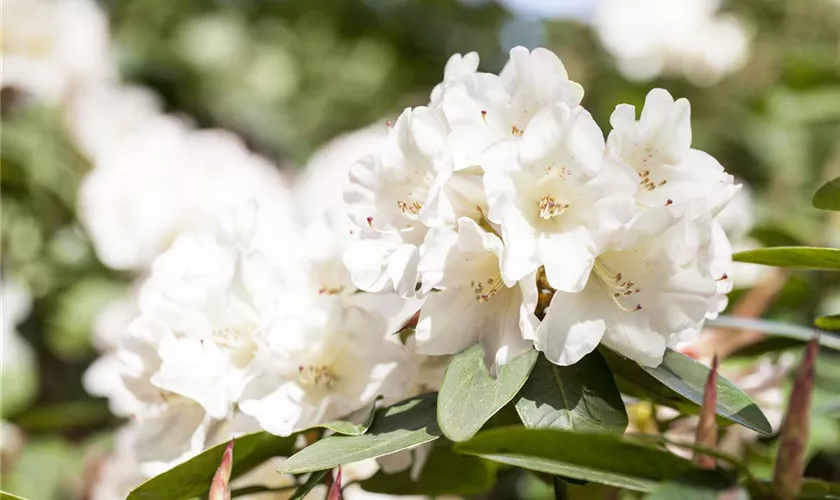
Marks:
<point>167,179</point>
<point>691,38</point>
<point>102,377</point>
<point>318,190</point>
<point>18,376</point>
<point>473,303</point>
<point>101,116</point>
<point>324,361</point>
<point>12,442</point>
<point>51,48</point>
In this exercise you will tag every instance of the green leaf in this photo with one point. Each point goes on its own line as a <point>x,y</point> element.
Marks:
<point>582,396</point>
<point>192,478</point>
<point>444,473</point>
<point>828,323</point>
<point>695,485</point>
<point>817,489</point>
<point>404,425</point>
<point>4,495</point>
<point>828,196</point>
<point>606,458</point>
<point>678,382</point>
<point>354,424</point>
<point>793,257</point>
<point>469,396</point>
<point>314,480</point>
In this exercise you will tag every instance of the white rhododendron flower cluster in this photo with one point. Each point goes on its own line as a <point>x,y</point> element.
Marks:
<point>691,38</point>
<point>53,48</point>
<point>504,188</point>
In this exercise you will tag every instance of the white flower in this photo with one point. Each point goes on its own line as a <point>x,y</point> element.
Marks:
<point>473,302</point>
<point>483,108</point>
<point>52,47</point>
<point>18,374</point>
<point>654,37</point>
<point>166,180</point>
<point>319,188</point>
<point>324,361</point>
<point>644,290</point>
<point>103,377</point>
<point>390,197</point>
<point>217,299</point>
<point>100,117</point>
<point>658,147</point>
<point>456,67</point>
<point>557,201</point>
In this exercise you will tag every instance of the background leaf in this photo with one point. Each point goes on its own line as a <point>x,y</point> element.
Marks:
<point>793,257</point>
<point>679,380</point>
<point>695,485</point>
<point>445,473</point>
<point>828,196</point>
<point>192,478</point>
<point>9,496</point>
<point>398,427</point>
<point>469,396</point>
<point>606,458</point>
<point>828,323</point>
<point>582,396</point>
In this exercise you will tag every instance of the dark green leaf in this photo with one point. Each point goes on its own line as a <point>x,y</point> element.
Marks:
<point>828,196</point>
<point>192,478</point>
<point>695,485</point>
<point>582,396</point>
<point>606,458</point>
<point>793,257</point>
<point>678,382</point>
<point>444,473</point>
<point>828,323</point>
<point>469,396</point>
<point>398,427</point>
<point>314,480</point>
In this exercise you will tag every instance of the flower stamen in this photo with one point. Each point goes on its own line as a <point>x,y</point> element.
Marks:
<point>550,208</point>
<point>616,286</point>
<point>319,375</point>
<point>412,207</point>
<point>486,289</point>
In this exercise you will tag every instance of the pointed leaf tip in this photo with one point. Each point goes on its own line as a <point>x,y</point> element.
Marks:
<point>219,488</point>
<point>707,427</point>
<point>790,462</point>
<point>335,487</point>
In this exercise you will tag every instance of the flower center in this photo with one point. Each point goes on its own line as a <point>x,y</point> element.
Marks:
<point>237,341</point>
<point>328,290</point>
<point>485,289</point>
<point>409,207</point>
<point>647,183</point>
<point>617,287</point>
<point>550,208</point>
<point>317,375</point>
